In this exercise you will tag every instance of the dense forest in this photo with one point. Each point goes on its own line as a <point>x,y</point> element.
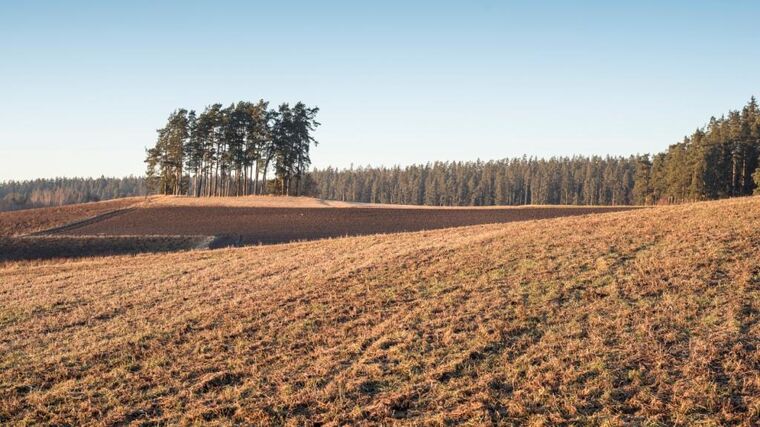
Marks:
<point>63,191</point>
<point>717,161</point>
<point>222,151</point>
<point>521,181</point>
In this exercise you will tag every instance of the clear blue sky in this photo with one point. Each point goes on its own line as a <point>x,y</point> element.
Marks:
<point>84,85</point>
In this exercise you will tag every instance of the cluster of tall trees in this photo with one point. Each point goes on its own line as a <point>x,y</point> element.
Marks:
<point>717,161</point>
<point>558,180</point>
<point>225,151</point>
<point>63,191</point>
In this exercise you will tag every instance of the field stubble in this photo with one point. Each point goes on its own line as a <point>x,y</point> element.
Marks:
<point>643,317</point>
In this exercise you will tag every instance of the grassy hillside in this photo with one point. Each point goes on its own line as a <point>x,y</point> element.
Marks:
<point>646,316</point>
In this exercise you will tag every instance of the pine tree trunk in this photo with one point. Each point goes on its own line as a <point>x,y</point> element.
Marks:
<point>215,185</point>
<point>256,179</point>
<point>264,178</point>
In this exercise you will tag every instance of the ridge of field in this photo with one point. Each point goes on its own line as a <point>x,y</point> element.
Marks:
<point>271,201</point>
<point>640,317</point>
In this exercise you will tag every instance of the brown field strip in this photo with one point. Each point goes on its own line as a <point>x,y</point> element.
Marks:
<point>17,223</point>
<point>110,228</point>
<point>632,318</point>
<point>251,225</point>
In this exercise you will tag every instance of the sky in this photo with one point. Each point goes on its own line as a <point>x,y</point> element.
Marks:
<point>85,85</point>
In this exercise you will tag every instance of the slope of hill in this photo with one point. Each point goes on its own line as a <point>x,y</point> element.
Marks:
<point>637,317</point>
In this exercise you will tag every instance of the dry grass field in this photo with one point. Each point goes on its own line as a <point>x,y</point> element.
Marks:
<point>646,317</point>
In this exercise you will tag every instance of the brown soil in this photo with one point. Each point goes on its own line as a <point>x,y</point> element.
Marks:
<point>27,221</point>
<point>245,225</point>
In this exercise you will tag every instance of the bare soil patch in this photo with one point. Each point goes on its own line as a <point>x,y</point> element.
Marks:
<point>246,225</point>
<point>16,223</point>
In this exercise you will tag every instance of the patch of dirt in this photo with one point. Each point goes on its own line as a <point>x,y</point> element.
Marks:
<point>235,226</point>
<point>17,223</point>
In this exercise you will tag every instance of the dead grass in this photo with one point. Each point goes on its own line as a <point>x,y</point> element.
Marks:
<point>641,317</point>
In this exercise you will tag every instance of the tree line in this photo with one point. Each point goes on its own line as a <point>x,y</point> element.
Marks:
<point>520,181</point>
<point>717,161</point>
<point>63,191</point>
<point>228,151</point>
<point>224,151</point>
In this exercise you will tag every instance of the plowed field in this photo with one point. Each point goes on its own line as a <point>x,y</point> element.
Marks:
<point>252,225</point>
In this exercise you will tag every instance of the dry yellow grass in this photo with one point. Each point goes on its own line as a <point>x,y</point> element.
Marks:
<point>640,317</point>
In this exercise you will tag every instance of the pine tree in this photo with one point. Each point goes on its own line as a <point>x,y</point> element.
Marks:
<point>642,187</point>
